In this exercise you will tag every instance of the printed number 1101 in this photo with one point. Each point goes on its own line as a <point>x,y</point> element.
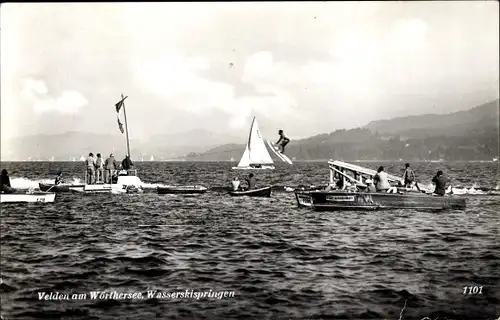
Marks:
<point>473,290</point>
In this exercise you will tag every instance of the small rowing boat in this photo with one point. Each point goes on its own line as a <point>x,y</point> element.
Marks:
<point>29,196</point>
<point>181,189</point>
<point>260,192</point>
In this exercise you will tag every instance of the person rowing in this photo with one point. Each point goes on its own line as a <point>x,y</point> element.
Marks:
<point>282,142</point>
<point>58,179</point>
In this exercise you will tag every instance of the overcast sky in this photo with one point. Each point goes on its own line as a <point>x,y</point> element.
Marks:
<point>307,68</point>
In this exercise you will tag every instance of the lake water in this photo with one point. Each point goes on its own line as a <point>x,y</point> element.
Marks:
<point>279,261</point>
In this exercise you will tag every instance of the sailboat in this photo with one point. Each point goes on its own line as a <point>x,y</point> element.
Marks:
<point>152,158</point>
<point>255,156</point>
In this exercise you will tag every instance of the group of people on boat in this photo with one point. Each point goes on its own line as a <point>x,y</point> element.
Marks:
<point>380,183</point>
<point>250,181</point>
<point>105,171</point>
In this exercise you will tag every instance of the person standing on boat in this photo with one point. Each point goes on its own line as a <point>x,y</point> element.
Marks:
<point>283,141</point>
<point>408,177</point>
<point>440,180</point>
<point>99,168</point>
<point>236,183</point>
<point>251,181</point>
<point>5,186</point>
<point>110,166</point>
<point>90,163</point>
<point>58,178</point>
<point>381,180</point>
<point>127,163</point>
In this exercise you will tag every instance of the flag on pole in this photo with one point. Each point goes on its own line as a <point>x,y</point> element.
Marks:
<point>120,125</point>
<point>119,105</point>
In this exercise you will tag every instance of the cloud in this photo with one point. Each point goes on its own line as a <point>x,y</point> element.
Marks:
<point>258,67</point>
<point>316,66</point>
<point>409,35</point>
<point>177,79</point>
<point>36,93</point>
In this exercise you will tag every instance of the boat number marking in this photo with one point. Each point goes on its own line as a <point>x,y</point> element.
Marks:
<point>340,198</point>
<point>40,199</point>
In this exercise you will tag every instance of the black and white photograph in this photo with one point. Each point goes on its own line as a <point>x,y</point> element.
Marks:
<point>288,160</point>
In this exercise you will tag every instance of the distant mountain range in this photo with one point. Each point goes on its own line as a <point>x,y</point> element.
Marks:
<point>464,135</point>
<point>75,144</point>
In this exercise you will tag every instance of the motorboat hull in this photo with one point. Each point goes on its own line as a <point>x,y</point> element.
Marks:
<point>40,197</point>
<point>125,184</point>
<point>342,200</point>
<point>303,199</point>
<point>181,190</point>
<point>260,192</point>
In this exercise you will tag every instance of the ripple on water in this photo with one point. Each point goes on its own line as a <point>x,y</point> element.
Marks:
<point>281,261</point>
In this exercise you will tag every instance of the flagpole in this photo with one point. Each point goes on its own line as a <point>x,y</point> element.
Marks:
<point>126,125</point>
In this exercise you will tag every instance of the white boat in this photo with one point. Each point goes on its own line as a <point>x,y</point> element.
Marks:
<point>29,196</point>
<point>152,158</point>
<point>128,182</point>
<point>255,156</point>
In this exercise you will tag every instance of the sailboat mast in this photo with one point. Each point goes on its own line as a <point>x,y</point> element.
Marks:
<point>250,134</point>
<point>126,125</point>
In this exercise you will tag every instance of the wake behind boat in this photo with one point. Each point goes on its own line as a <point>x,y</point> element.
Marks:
<point>58,188</point>
<point>255,156</point>
<point>181,189</point>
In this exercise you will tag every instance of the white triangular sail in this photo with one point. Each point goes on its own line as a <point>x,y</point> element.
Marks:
<point>255,151</point>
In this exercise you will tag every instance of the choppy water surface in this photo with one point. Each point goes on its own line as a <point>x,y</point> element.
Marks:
<point>282,262</point>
